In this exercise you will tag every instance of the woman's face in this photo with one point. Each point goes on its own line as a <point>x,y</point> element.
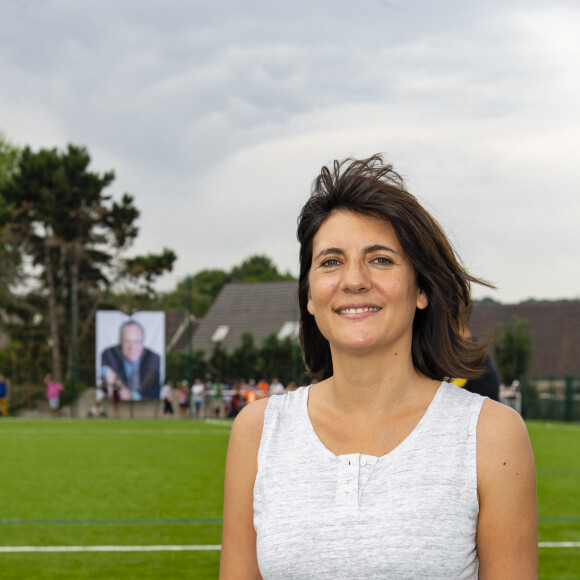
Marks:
<point>363,292</point>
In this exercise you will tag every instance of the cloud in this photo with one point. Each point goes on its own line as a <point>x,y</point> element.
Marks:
<point>217,116</point>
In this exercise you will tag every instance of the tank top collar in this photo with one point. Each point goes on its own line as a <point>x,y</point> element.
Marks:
<point>322,449</point>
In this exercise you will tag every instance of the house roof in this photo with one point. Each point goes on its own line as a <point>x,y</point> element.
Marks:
<point>259,309</point>
<point>555,328</point>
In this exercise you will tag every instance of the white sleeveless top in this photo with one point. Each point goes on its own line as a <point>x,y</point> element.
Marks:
<point>409,514</point>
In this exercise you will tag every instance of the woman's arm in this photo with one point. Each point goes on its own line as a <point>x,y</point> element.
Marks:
<point>507,531</point>
<point>238,557</point>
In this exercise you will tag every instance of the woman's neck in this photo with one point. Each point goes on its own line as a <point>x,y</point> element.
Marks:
<point>369,405</point>
<point>363,383</point>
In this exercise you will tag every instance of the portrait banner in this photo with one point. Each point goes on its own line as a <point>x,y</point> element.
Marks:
<point>130,354</point>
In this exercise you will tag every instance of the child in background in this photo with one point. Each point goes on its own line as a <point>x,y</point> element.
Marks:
<point>183,399</point>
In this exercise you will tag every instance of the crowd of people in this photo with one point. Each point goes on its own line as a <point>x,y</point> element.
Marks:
<point>221,398</point>
<point>203,399</point>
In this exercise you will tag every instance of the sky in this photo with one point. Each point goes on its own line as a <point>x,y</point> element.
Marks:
<point>217,116</point>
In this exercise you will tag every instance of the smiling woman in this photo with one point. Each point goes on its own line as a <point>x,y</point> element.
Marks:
<point>382,469</point>
<point>362,288</point>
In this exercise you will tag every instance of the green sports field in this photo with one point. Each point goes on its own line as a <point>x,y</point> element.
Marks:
<point>154,489</point>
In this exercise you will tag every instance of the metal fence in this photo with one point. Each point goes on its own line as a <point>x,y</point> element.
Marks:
<point>552,399</point>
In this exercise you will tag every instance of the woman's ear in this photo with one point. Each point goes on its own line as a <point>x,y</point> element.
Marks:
<point>422,300</point>
<point>309,304</point>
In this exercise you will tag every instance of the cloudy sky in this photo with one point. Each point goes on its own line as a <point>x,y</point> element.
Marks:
<point>217,115</point>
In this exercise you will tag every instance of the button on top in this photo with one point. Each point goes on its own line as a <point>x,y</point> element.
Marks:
<point>363,461</point>
<point>347,489</point>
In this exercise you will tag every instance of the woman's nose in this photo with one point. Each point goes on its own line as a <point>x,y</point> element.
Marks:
<point>355,278</point>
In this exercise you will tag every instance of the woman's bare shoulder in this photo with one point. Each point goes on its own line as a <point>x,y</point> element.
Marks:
<point>500,424</point>
<point>250,421</point>
<point>504,451</point>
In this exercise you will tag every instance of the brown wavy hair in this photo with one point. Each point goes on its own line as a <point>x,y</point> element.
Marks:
<point>372,188</point>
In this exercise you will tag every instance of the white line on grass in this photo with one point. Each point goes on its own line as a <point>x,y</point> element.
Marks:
<point>148,522</point>
<point>199,548</point>
<point>221,422</point>
<point>561,426</point>
<point>558,544</point>
<point>89,432</point>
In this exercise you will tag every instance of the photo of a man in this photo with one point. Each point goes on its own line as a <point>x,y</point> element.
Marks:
<point>132,365</point>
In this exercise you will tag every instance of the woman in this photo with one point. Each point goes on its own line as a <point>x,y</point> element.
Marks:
<point>382,469</point>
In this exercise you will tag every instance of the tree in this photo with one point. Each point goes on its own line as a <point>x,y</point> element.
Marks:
<point>219,362</point>
<point>209,283</point>
<point>513,349</point>
<point>73,237</point>
<point>9,154</point>
<point>486,300</point>
<point>146,269</point>
<point>198,292</point>
<point>179,367</point>
<point>244,359</point>
<point>258,268</point>
<point>194,293</point>
<point>278,359</point>
<point>10,260</point>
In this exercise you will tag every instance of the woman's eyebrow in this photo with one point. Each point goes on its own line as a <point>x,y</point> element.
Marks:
<point>327,252</point>
<point>379,248</point>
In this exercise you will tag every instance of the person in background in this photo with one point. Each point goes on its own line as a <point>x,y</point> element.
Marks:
<point>197,390</point>
<point>4,393</point>
<point>487,383</point>
<point>53,390</point>
<point>97,409</point>
<point>382,469</point>
<point>183,399</point>
<point>116,388</point>
<point>167,398</point>
<point>218,398</point>
<point>238,401</point>
<point>263,386</point>
<point>276,387</point>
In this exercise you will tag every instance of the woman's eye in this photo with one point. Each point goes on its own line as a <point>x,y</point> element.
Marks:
<point>382,260</point>
<point>330,262</point>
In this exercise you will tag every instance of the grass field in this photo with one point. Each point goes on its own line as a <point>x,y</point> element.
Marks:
<point>557,453</point>
<point>121,483</point>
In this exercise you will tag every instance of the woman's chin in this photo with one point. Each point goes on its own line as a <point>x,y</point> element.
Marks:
<point>356,345</point>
